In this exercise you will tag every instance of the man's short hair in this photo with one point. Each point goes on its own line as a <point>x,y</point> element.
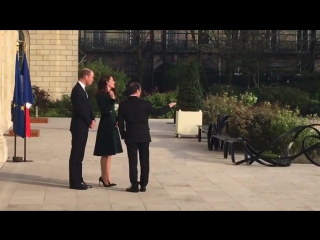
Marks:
<point>133,88</point>
<point>85,72</point>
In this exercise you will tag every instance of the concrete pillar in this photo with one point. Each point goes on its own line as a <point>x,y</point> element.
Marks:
<point>8,41</point>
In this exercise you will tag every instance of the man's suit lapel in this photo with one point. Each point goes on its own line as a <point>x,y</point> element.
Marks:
<point>83,90</point>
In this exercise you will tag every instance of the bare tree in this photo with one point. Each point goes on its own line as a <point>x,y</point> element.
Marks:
<point>139,46</point>
<point>247,52</point>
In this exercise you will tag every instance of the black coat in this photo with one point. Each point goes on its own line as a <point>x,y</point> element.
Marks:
<point>133,115</point>
<point>108,140</point>
<point>82,114</point>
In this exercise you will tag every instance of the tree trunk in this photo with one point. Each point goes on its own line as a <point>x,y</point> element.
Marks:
<point>228,72</point>
<point>313,43</point>
<point>254,80</point>
<point>139,58</point>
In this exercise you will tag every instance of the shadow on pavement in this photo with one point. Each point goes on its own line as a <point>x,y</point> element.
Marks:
<point>32,180</point>
<point>45,182</point>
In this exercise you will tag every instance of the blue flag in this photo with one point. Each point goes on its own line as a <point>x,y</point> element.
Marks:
<point>27,94</point>
<point>27,88</point>
<point>18,115</point>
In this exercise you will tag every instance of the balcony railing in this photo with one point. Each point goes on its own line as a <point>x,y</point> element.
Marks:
<point>124,44</point>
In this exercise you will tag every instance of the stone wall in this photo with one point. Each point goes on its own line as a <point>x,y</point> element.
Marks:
<point>8,40</point>
<point>53,60</point>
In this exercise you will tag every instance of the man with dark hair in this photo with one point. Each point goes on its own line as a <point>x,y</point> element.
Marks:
<point>82,119</point>
<point>133,115</point>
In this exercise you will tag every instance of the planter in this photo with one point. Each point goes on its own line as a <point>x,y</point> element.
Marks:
<point>34,133</point>
<point>175,116</point>
<point>39,120</point>
<point>186,123</point>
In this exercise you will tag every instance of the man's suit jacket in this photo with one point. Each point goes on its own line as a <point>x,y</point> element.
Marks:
<point>133,115</point>
<point>82,114</point>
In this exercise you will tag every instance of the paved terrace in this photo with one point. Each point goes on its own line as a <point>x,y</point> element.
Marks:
<point>184,176</point>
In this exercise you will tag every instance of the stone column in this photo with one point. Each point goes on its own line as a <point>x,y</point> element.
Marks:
<point>8,41</point>
<point>3,142</point>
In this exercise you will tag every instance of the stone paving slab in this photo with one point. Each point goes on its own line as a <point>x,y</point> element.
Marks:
<point>184,176</point>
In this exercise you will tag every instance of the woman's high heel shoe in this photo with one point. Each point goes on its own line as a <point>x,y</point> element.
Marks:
<point>112,184</point>
<point>103,183</point>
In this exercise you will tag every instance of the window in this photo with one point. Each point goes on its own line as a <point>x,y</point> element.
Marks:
<point>144,36</point>
<point>99,35</point>
<point>274,39</point>
<point>173,36</point>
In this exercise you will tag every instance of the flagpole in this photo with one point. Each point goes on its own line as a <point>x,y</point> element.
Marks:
<point>25,117</point>
<point>25,137</point>
<point>15,117</point>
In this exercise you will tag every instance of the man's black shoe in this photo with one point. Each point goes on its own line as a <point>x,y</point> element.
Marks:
<point>132,189</point>
<point>80,187</point>
<point>88,186</point>
<point>143,189</point>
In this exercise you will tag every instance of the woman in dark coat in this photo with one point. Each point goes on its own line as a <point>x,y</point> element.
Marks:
<point>108,141</point>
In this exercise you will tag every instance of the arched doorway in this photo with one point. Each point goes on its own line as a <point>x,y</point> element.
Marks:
<point>160,79</point>
<point>21,41</point>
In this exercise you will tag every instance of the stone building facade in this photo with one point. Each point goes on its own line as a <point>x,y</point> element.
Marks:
<point>53,60</point>
<point>8,40</point>
<point>53,63</point>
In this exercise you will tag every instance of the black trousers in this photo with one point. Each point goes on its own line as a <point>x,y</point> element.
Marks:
<point>132,150</point>
<point>78,142</point>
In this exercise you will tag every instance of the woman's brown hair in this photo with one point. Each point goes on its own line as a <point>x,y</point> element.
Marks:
<point>102,84</point>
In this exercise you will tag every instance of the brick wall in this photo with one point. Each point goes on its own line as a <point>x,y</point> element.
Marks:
<point>54,60</point>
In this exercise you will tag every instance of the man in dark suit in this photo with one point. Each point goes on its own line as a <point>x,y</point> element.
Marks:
<point>133,115</point>
<point>82,119</point>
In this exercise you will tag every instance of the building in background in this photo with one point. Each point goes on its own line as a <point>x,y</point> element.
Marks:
<point>53,59</point>
<point>8,49</point>
<point>147,55</point>
<point>53,62</point>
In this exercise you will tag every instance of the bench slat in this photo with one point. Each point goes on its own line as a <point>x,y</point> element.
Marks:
<point>204,127</point>
<point>225,138</point>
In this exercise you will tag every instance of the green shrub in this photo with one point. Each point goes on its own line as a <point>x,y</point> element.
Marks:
<point>189,96</point>
<point>63,107</point>
<point>175,74</point>
<point>248,98</point>
<point>286,96</point>
<point>225,105</point>
<point>161,99</point>
<point>308,82</point>
<point>292,97</point>
<point>41,100</point>
<point>259,124</point>
<point>220,89</point>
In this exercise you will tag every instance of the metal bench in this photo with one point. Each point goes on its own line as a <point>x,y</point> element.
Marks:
<point>226,143</point>
<point>205,128</point>
<point>208,130</point>
<point>216,139</point>
<point>202,128</point>
<point>252,155</point>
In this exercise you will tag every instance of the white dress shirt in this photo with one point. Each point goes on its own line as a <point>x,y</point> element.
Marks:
<point>83,86</point>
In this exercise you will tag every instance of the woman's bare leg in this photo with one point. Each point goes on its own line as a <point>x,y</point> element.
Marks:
<point>104,173</point>
<point>108,169</point>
